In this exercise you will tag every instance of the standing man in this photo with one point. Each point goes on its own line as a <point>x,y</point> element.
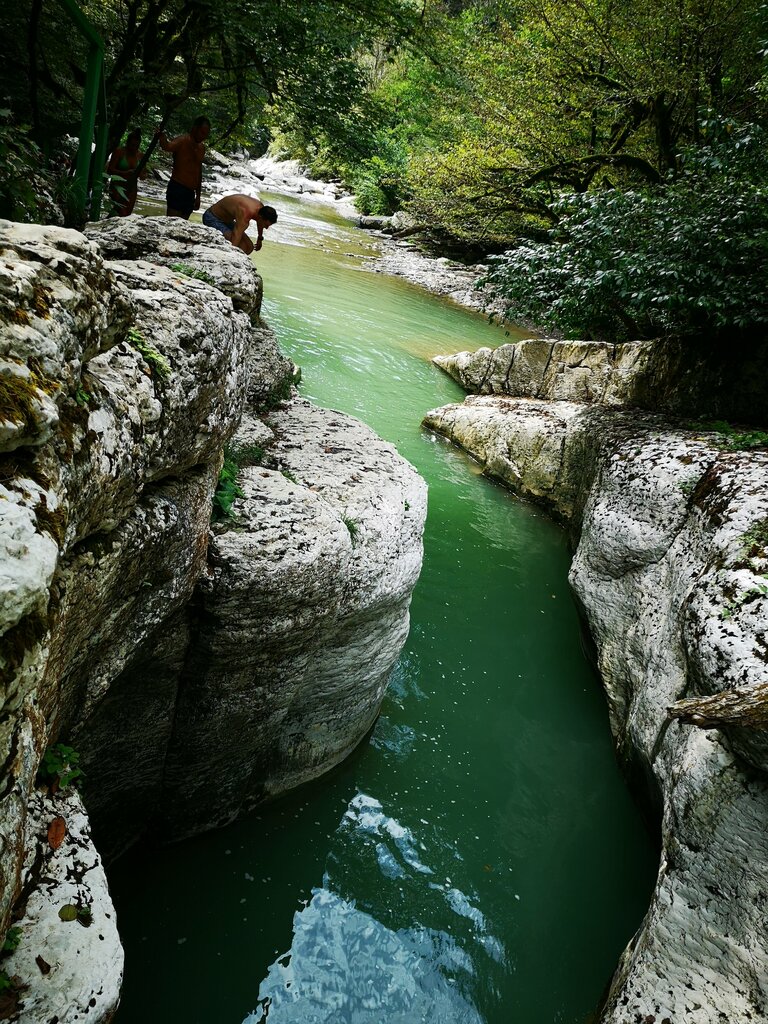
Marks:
<point>183,195</point>
<point>232,215</point>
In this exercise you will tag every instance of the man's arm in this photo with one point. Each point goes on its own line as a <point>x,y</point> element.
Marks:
<point>241,223</point>
<point>169,145</point>
<point>199,187</point>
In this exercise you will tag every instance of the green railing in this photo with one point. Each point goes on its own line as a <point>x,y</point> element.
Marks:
<point>94,109</point>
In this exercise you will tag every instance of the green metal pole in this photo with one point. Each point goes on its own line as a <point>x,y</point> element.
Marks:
<point>94,85</point>
<point>100,153</point>
<point>83,164</point>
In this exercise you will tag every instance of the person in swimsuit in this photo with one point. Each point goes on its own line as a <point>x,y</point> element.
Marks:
<point>183,194</point>
<point>232,215</point>
<point>122,165</point>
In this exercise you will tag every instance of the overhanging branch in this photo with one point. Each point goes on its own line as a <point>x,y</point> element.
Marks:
<point>746,706</point>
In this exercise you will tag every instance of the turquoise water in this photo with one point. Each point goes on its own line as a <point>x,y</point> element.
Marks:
<point>478,858</point>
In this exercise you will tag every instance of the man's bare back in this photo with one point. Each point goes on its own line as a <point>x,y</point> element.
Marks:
<point>234,213</point>
<point>185,186</point>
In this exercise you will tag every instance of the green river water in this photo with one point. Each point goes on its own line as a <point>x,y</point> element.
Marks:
<point>478,859</point>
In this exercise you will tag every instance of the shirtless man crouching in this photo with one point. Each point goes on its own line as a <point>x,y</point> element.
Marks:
<point>232,215</point>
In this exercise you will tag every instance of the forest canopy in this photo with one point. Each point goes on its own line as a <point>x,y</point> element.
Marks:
<point>601,146</point>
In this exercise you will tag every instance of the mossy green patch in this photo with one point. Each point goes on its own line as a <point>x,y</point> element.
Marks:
<point>156,361</point>
<point>188,271</point>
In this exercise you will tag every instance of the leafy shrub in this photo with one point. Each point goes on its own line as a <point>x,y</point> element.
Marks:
<point>20,161</point>
<point>686,257</point>
<point>379,183</point>
<point>60,767</point>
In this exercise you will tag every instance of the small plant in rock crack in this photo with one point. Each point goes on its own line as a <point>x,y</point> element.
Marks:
<point>688,486</point>
<point>187,271</point>
<point>156,362</point>
<point>353,526</point>
<point>60,768</point>
<point>227,490</point>
<point>12,940</point>
<point>246,454</point>
<point>82,397</point>
<point>289,476</point>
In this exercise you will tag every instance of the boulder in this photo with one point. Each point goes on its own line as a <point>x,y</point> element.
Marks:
<point>302,617</point>
<point>191,251</point>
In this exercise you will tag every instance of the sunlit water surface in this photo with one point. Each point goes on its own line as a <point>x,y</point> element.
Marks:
<point>478,859</point>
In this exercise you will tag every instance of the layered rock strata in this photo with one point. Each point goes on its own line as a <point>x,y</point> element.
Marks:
<point>670,567</point>
<point>127,361</point>
<point>684,378</point>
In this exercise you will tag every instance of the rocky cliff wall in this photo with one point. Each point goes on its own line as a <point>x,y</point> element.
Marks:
<point>670,567</point>
<point>128,359</point>
<point>726,380</point>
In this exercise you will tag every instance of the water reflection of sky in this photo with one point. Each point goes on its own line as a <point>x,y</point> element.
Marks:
<point>345,964</point>
<point>344,967</point>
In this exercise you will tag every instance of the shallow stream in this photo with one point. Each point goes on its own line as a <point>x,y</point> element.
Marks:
<point>478,859</point>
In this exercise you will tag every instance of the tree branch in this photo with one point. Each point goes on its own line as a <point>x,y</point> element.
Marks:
<point>745,705</point>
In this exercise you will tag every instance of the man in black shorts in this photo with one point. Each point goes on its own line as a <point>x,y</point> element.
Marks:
<point>183,195</point>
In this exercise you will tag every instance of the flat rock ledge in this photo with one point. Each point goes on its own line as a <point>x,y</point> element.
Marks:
<point>670,569</point>
<point>679,378</point>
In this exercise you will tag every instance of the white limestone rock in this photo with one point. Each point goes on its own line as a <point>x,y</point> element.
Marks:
<point>66,970</point>
<point>520,442</point>
<point>574,371</point>
<point>173,242</point>
<point>106,509</point>
<point>304,615</point>
<point>27,555</point>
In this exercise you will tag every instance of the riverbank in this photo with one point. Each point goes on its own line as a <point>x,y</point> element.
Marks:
<point>669,526</point>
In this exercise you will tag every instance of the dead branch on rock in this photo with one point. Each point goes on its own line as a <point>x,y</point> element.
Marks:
<point>746,706</point>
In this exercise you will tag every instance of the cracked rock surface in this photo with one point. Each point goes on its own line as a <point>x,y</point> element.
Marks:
<point>69,960</point>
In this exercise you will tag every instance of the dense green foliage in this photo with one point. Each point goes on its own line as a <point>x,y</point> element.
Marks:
<point>175,59</point>
<point>576,135</point>
<point>678,258</point>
